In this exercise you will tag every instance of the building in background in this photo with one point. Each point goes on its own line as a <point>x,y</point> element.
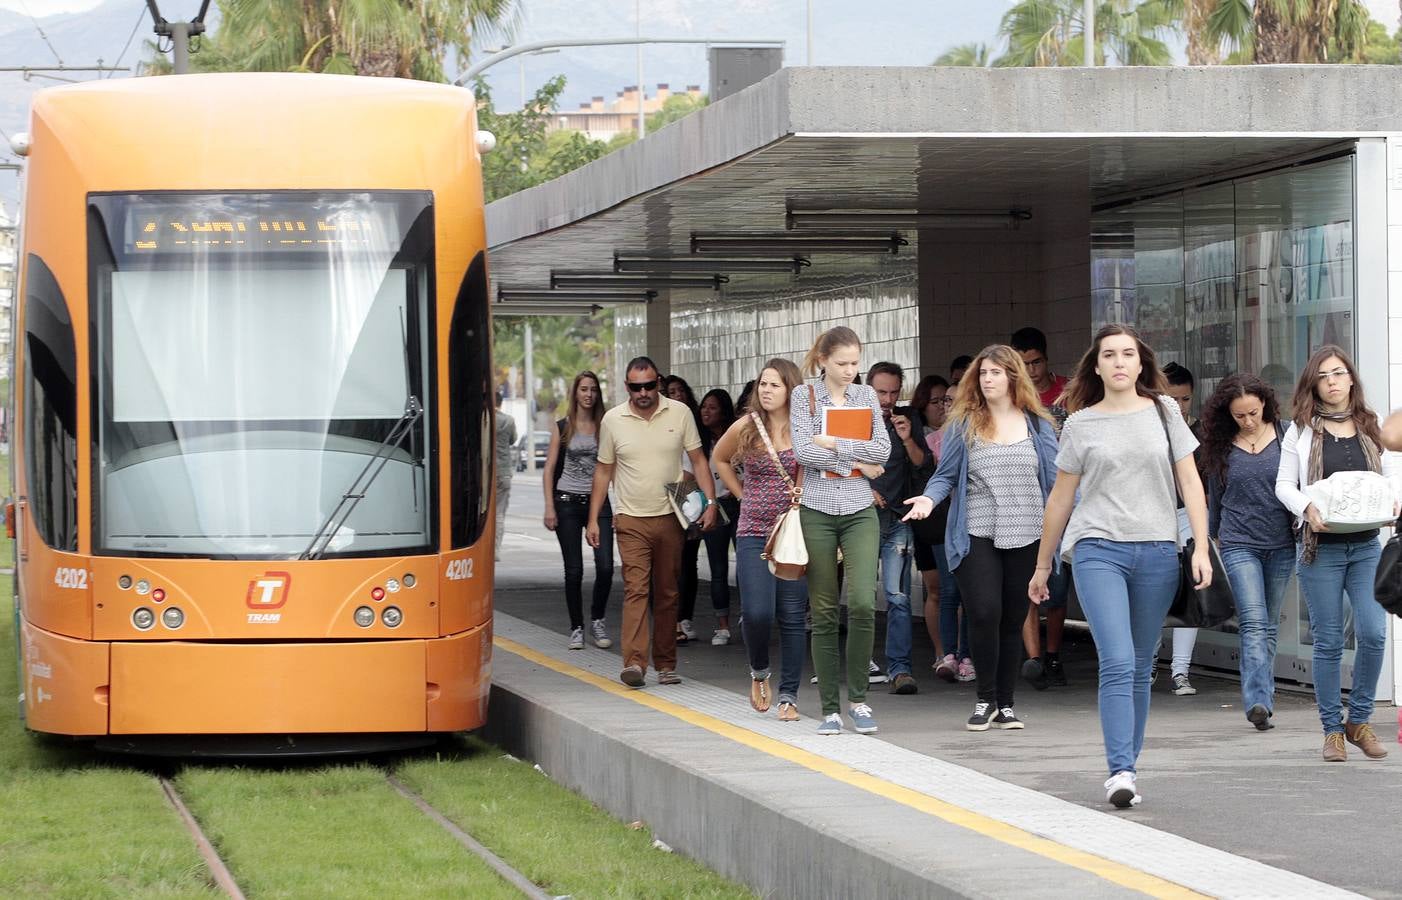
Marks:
<point>601,121</point>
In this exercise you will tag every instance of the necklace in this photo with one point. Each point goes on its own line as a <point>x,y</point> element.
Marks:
<point>1249,445</point>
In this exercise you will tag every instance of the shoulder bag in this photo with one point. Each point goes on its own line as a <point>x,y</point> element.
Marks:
<point>1193,608</point>
<point>785,549</point>
<point>1387,584</point>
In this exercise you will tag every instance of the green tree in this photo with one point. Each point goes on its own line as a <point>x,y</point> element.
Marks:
<point>1279,31</point>
<point>392,38</point>
<point>974,55</point>
<point>1052,33</point>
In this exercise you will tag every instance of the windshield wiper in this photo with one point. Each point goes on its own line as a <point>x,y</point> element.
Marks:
<point>413,412</point>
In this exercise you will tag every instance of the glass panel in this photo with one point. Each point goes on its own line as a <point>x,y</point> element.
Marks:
<point>1294,268</point>
<point>261,365</point>
<point>1209,276</point>
<point>470,407</point>
<point>1137,272</point>
<point>50,409</point>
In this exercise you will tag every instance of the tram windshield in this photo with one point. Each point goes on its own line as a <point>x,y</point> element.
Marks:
<point>254,353</point>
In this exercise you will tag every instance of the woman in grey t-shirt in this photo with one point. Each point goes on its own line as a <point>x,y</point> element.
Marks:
<point>1121,535</point>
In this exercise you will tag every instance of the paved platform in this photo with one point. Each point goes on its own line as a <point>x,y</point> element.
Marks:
<point>927,808</point>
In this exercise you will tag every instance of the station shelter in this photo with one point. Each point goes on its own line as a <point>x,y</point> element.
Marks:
<point>1238,216</point>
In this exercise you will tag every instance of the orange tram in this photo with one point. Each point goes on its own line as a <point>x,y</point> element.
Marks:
<point>253,419</point>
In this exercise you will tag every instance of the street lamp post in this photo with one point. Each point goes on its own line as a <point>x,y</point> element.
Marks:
<point>1088,36</point>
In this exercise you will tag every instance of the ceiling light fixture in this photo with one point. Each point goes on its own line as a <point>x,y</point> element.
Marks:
<point>543,309</point>
<point>783,242</point>
<point>669,265</point>
<point>593,280</point>
<point>886,219</point>
<point>580,298</point>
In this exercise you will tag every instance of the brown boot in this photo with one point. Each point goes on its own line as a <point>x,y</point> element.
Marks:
<point>1334,750</point>
<point>1362,737</point>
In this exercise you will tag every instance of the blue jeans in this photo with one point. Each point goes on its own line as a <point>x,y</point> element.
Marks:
<point>1338,569</point>
<point>954,631</point>
<point>896,549</point>
<point>762,597</point>
<point>1125,590</point>
<point>1258,579</point>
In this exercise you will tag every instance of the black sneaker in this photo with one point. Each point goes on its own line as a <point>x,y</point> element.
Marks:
<point>1259,716</point>
<point>1035,674</point>
<point>983,712</point>
<point>1006,719</point>
<point>1056,673</point>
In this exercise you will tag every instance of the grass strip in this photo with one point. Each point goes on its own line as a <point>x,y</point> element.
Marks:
<point>336,831</point>
<point>73,826</point>
<point>555,837</point>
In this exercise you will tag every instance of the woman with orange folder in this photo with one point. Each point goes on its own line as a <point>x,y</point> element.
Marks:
<point>839,437</point>
<point>998,467</point>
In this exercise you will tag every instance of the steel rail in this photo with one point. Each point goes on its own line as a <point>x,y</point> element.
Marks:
<point>223,878</point>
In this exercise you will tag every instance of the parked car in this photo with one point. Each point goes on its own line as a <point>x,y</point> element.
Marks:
<point>540,443</point>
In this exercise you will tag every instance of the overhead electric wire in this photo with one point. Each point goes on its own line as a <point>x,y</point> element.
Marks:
<point>127,46</point>
<point>40,29</point>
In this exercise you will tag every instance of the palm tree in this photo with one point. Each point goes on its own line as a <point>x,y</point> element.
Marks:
<point>976,55</point>
<point>1052,33</point>
<point>1276,31</point>
<point>393,38</point>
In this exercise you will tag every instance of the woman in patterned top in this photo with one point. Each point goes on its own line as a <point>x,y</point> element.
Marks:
<point>765,492</point>
<point>838,515</point>
<point>998,467</point>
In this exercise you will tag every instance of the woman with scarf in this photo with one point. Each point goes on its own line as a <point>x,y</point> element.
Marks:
<point>1335,431</point>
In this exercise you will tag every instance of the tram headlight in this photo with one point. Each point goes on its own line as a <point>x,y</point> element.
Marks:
<point>173,617</point>
<point>364,616</point>
<point>377,593</point>
<point>410,580</point>
<point>124,582</point>
<point>143,587</point>
<point>392,585</point>
<point>142,618</point>
<point>392,617</point>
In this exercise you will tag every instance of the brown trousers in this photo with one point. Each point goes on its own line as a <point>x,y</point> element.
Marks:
<point>651,548</point>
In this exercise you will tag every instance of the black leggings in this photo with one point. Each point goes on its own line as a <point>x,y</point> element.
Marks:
<point>717,541</point>
<point>571,517</point>
<point>993,584</point>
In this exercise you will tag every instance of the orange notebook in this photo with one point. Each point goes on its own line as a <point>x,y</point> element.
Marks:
<point>853,422</point>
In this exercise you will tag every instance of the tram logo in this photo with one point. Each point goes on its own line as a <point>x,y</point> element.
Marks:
<point>269,591</point>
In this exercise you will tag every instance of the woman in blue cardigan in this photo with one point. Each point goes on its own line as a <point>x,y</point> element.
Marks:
<point>998,467</point>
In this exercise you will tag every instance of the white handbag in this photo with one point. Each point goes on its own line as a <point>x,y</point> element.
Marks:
<point>1353,501</point>
<point>785,548</point>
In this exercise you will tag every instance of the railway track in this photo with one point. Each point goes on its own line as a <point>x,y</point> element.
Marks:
<point>224,879</point>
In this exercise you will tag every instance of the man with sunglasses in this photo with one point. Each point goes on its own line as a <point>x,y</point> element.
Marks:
<point>641,443</point>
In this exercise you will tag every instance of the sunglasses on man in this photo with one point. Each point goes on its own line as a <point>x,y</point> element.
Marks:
<point>635,387</point>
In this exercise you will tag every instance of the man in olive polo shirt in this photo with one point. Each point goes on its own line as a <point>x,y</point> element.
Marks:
<point>641,443</point>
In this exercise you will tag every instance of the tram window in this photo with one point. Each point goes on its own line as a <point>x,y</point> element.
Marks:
<point>470,409</point>
<point>50,409</point>
<point>243,385</point>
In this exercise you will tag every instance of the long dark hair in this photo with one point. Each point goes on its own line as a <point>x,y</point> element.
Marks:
<point>727,416</point>
<point>1306,397</point>
<point>1219,427</point>
<point>1087,388</point>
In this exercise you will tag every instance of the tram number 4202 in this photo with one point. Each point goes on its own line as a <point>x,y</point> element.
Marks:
<point>459,569</point>
<point>70,578</point>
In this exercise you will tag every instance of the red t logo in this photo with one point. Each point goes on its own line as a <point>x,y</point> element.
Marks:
<point>269,591</point>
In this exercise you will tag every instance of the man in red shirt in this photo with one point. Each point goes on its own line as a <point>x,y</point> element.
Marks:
<point>1043,672</point>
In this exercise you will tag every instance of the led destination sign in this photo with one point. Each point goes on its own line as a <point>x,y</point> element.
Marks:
<point>166,232</point>
<point>239,223</point>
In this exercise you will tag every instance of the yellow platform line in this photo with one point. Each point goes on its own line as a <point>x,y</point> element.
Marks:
<point>1114,872</point>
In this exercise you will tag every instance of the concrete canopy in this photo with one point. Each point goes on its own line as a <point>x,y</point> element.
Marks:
<point>1053,141</point>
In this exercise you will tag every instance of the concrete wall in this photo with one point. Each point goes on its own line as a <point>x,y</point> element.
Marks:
<point>977,288</point>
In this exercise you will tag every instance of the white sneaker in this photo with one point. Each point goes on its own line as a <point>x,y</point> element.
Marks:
<point>577,639</point>
<point>601,637</point>
<point>684,626</point>
<point>721,637</point>
<point>874,673</point>
<point>1121,791</point>
<point>1182,687</point>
